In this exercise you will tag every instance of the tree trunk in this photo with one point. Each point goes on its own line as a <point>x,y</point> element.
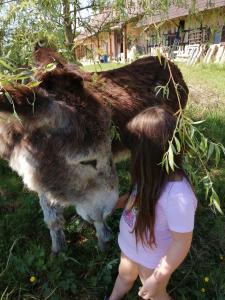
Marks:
<point>69,36</point>
<point>125,42</point>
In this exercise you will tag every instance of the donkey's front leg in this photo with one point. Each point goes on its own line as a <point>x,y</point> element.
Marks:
<point>53,216</point>
<point>103,233</point>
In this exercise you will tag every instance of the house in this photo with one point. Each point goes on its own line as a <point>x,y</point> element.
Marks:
<point>195,23</point>
<point>92,42</point>
<point>199,24</point>
<point>109,35</point>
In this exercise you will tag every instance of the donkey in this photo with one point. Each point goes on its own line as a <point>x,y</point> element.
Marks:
<point>60,144</point>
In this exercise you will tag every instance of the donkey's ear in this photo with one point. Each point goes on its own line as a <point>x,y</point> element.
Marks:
<point>36,109</point>
<point>59,81</point>
<point>44,55</point>
<point>59,76</point>
<point>21,100</point>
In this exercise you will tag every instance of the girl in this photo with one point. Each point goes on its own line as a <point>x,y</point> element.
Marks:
<point>157,223</point>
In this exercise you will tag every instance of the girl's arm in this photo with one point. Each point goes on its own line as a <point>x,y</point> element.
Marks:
<point>175,255</point>
<point>122,201</point>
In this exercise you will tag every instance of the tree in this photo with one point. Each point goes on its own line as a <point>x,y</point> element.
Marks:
<point>23,22</point>
<point>57,21</point>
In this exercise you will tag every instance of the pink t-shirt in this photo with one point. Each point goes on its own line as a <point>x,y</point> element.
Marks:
<point>175,211</point>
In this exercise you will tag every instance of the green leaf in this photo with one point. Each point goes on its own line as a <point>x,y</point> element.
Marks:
<point>159,55</point>
<point>10,99</point>
<point>167,165</point>
<point>214,199</point>
<point>158,89</point>
<point>203,144</point>
<point>177,144</point>
<point>50,67</point>
<point>197,122</point>
<point>165,63</point>
<point>206,192</point>
<point>217,154</point>
<point>7,66</point>
<point>33,84</point>
<point>210,150</point>
<point>171,158</point>
<point>8,96</point>
<point>173,149</point>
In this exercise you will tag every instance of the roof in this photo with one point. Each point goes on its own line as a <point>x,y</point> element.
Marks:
<point>96,23</point>
<point>109,18</point>
<point>181,11</point>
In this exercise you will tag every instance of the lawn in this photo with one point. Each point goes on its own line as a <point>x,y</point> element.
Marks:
<point>97,67</point>
<point>27,271</point>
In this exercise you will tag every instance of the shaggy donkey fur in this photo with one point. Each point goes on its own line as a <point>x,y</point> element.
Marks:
<point>61,144</point>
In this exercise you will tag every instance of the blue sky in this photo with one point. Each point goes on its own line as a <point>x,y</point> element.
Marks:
<point>83,4</point>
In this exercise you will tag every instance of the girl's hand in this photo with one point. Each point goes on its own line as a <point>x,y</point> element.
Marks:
<point>122,201</point>
<point>155,285</point>
<point>152,288</point>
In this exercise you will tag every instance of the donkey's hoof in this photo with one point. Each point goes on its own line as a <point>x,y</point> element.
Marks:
<point>58,241</point>
<point>107,233</point>
<point>56,253</point>
<point>106,236</point>
<point>53,254</point>
<point>102,245</point>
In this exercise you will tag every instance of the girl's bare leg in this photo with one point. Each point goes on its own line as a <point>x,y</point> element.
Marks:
<point>128,273</point>
<point>144,273</point>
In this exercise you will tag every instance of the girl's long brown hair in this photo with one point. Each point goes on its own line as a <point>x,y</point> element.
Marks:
<point>151,131</point>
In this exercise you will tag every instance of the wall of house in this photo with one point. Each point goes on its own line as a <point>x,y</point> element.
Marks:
<point>135,37</point>
<point>214,18</point>
<point>94,46</point>
<point>86,47</point>
<point>104,43</point>
<point>117,42</point>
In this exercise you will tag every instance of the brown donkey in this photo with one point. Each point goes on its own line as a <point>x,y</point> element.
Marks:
<point>60,145</point>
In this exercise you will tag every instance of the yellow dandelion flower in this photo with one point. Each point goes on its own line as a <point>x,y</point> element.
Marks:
<point>33,279</point>
<point>203,290</point>
<point>206,279</point>
<point>221,257</point>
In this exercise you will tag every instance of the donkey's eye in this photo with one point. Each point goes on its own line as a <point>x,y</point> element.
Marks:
<point>92,163</point>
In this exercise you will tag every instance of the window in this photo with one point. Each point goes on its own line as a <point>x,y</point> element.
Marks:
<point>223,34</point>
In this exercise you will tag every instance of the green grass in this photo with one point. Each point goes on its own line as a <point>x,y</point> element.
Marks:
<point>211,76</point>
<point>207,102</point>
<point>83,272</point>
<point>102,67</point>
